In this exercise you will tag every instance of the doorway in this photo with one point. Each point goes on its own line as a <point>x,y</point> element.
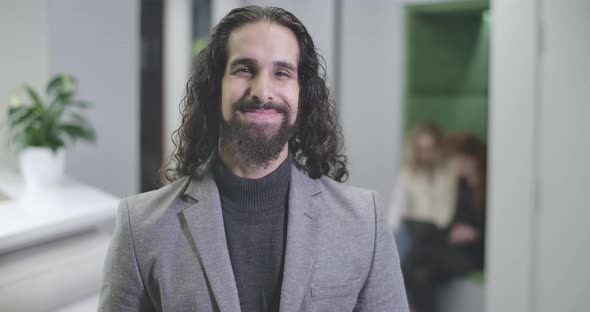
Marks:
<point>447,48</point>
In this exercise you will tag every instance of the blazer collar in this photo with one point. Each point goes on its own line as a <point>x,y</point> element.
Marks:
<point>302,236</point>
<point>204,221</point>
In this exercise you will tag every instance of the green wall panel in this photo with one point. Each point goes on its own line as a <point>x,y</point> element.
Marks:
<point>447,68</point>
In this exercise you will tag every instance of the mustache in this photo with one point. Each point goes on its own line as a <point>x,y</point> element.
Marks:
<point>251,105</point>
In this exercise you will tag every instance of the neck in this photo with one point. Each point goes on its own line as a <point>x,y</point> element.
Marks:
<point>241,169</point>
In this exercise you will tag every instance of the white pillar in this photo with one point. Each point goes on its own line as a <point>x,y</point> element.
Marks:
<point>177,64</point>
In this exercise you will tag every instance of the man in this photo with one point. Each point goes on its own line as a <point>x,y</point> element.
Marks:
<point>255,219</point>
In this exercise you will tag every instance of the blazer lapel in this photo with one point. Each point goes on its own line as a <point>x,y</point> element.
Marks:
<point>204,221</point>
<point>302,235</point>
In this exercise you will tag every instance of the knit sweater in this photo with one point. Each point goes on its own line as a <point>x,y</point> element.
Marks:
<point>255,221</point>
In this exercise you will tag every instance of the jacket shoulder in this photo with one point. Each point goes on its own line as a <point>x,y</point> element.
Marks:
<point>154,204</point>
<point>348,204</point>
<point>346,194</point>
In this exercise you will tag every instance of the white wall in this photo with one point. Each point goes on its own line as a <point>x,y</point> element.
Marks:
<point>177,64</point>
<point>98,42</point>
<point>562,280</point>
<point>538,212</point>
<point>370,94</point>
<point>219,8</point>
<point>24,57</point>
<point>512,155</point>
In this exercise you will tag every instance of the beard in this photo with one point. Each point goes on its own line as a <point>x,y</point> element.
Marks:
<point>256,144</point>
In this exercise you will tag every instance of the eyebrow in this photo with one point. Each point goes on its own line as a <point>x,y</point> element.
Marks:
<point>251,62</point>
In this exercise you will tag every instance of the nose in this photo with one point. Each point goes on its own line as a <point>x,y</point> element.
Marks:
<point>261,89</point>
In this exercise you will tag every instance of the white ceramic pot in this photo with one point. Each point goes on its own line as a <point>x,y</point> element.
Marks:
<point>41,167</point>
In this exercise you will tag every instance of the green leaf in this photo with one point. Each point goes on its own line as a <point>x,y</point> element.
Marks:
<point>62,84</point>
<point>54,85</point>
<point>55,110</point>
<point>75,131</point>
<point>34,96</point>
<point>81,104</point>
<point>65,98</point>
<point>68,84</point>
<point>17,116</point>
<point>80,119</point>
<point>90,135</point>
<point>19,120</point>
<point>43,124</point>
<point>20,141</point>
<point>55,142</point>
<point>34,136</point>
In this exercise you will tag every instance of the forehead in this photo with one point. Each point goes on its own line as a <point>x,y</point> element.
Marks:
<point>264,42</point>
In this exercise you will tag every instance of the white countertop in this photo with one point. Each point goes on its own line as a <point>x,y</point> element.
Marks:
<point>28,217</point>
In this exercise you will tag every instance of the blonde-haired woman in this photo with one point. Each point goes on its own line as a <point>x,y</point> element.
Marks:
<point>425,195</point>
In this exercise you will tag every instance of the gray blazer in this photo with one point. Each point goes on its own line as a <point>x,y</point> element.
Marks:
<point>169,252</point>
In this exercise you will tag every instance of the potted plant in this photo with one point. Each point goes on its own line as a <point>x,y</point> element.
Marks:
<point>41,128</point>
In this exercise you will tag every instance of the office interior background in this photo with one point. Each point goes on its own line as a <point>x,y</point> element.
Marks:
<point>516,74</point>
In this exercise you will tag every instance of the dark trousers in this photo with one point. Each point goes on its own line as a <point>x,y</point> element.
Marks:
<point>431,262</point>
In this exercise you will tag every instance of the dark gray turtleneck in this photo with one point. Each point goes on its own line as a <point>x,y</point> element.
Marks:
<point>255,220</point>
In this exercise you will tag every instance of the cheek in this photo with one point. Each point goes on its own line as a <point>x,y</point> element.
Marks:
<point>225,111</point>
<point>225,108</point>
<point>294,103</point>
<point>227,97</point>
<point>295,106</point>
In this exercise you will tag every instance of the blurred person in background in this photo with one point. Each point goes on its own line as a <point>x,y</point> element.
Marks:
<point>459,249</point>
<point>425,195</point>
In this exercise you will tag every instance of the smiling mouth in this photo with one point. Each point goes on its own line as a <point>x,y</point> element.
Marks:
<point>260,110</point>
<point>261,114</point>
<point>263,111</point>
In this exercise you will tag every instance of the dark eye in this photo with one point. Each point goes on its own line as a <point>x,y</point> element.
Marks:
<point>282,74</point>
<point>243,71</point>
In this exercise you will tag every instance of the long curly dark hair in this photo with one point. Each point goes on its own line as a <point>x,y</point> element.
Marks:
<point>317,143</point>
